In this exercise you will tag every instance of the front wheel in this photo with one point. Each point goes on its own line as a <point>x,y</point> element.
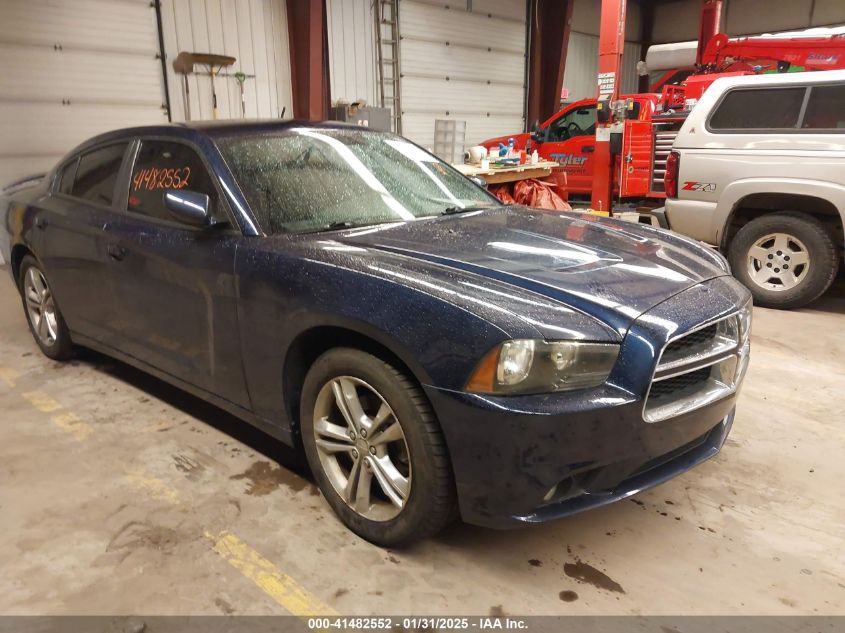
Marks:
<point>45,320</point>
<point>375,449</point>
<point>786,260</point>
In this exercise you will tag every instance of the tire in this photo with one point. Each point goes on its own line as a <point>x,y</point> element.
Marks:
<point>767,254</point>
<point>49,330</point>
<point>425,502</point>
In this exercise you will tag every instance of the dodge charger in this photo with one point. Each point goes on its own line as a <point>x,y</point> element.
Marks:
<point>434,353</point>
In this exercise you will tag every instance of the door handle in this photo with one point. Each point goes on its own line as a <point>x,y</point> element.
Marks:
<point>40,222</point>
<point>116,252</point>
<point>588,149</point>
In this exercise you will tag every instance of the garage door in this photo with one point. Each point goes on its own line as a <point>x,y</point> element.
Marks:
<point>69,70</point>
<point>465,61</point>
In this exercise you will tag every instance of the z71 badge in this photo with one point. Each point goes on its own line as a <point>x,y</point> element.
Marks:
<point>691,185</point>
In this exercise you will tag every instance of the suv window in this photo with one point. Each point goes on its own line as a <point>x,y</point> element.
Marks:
<point>163,165</point>
<point>578,122</point>
<point>759,109</point>
<point>96,174</point>
<point>825,108</point>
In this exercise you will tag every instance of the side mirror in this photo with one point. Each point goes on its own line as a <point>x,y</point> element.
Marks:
<point>478,180</point>
<point>189,207</point>
<point>538,135</point>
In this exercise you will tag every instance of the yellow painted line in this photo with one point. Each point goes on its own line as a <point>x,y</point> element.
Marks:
<point>9,376</point>
<point>71,423</point>
<point>155,487</point>
<point>161,425</point>
<point>42,401</point>
<point>269,578</point>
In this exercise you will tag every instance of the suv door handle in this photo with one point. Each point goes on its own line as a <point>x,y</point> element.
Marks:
<point>588,149</point>
<point>116,252</point>
<point>40,222</point>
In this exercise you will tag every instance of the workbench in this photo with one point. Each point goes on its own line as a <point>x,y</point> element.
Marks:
<point>499,175</point>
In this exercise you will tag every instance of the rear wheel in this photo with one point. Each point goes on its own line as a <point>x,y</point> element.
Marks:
<point>45,320</point>
<point>375,449</point>
<point>786,260</point>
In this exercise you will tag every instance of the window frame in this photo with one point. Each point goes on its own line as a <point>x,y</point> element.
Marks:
<point>796,129</point>
<point>565,114</point>
<point>123,208</point>
<point>77,157</point>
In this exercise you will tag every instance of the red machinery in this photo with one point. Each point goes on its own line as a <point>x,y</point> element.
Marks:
<point>620,141</point>
<point>624,155</point>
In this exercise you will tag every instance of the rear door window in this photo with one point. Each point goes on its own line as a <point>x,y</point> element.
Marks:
<point>96,174</point>
<point>163,165</point>
<point>825,108</point>
<point>759,109</point>
<point>66,176</point>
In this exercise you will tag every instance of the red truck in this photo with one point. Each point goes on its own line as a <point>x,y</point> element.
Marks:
<point>568,138</point>
<point>652,120</point>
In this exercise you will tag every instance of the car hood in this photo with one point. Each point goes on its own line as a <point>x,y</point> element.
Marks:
<point>609,269</point>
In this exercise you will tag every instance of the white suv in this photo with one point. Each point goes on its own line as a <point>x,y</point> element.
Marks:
<point>758,169</point>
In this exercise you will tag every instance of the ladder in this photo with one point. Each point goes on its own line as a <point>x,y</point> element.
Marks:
<point>386,15</point>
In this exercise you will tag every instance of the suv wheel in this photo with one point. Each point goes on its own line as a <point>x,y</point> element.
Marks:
<point>375,449</point>
<point>42,313</point>
<point>786,260</point>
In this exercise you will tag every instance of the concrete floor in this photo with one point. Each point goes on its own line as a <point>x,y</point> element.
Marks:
<point>122,495</point>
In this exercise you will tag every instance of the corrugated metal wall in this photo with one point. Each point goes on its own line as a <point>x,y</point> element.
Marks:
<point>69,71</point>
<point>462,64</point>
<point>352,53</point>
<point>582,56</point>
<point>678,21</point>
<point>582,65</point>
<point>254,32</point>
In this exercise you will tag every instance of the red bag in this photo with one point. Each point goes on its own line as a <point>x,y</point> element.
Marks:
<point>503,193</point>
<point>540,195</point>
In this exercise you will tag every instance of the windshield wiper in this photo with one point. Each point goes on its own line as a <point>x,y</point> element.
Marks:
<point>454,210</point>
<point>336,226</point>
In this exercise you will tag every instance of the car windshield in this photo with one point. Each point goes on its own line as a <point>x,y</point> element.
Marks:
<point>311,179</point>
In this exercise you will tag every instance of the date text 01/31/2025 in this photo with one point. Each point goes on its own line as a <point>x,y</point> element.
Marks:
<point>417,623</point>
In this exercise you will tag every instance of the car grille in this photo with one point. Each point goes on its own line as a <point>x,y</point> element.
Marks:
<point>680,385</point>
<point>697,369</point>
<point>697,342</point>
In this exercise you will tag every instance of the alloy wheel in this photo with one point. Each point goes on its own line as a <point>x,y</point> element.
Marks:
<point>778,261</point>
<point>40,307</point>
<point>362,448</point>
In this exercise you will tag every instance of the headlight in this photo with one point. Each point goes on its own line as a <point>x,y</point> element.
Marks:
<point>745,321</point>
<point>535,366</point>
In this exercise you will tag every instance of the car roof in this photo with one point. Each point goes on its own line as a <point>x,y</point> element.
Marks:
<point>778,79</point>
<point>215,129</point>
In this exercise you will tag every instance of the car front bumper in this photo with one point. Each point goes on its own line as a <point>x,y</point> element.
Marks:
<point>506,462</point>
<point>527,459</point>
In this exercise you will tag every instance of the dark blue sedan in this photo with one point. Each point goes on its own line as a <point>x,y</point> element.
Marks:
<point>434,352</point>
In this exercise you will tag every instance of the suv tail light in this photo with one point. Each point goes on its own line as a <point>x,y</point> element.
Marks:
<point>670,179</point>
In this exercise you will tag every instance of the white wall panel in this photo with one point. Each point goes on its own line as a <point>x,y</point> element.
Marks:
<point>678,21</point>
<point>758,16</point>
<point>828,12</point>
<point>582,63</point>
<point>70,70</point>
<point>254,32</point>
<point>463,65</point>
<point>352,51</point>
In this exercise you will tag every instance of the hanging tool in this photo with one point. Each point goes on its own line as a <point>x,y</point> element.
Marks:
<point>184,64</point>
<point>241,77</point>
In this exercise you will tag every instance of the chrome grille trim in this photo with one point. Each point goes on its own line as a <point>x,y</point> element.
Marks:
<point>726,357</point>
